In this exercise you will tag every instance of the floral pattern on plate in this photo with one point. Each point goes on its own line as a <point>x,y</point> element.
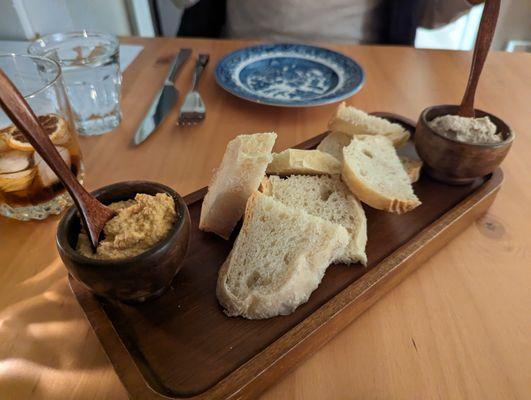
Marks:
<point>289,75</point>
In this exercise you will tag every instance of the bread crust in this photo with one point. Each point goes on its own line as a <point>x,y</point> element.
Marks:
<point>373,198</point>
<point>399,139</point>
<point>232,305</point>
<point>292,293</point>
<point>358,238</point>
<point>265,186</point>
<point>333,144</point>
<point>412,167</point>
<point>339,124</point>
<point>336,141</point>
<point>303,162</point>
<point>233,182</point>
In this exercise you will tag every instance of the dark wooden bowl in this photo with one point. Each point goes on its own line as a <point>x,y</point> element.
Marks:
<point>133,279</point>
<point>450,161</point>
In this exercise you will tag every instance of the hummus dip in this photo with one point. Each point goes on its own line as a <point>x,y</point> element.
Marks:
<point>468,130</point>
<point>137,226</point>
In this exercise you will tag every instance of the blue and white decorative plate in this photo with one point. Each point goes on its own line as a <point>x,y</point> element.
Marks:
<point>289,75</point>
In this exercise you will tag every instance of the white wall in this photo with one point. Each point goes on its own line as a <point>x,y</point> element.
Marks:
<point>10,26</point>
<point>23,19</point>
<point>514,23</point>
<point>457,35</point>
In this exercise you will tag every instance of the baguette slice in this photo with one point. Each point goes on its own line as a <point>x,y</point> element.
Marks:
<point>412,167</point>
<point>278,259</point>
<point>326,197</point>
<point>334,142</point>
<point>239,175</point>
<point>373,172</point>
<point>309,162</point>
<point>352,121</point>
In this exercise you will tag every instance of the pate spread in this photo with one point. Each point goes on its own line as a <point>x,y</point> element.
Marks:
<point>137,226</point>
<point>468,130</point>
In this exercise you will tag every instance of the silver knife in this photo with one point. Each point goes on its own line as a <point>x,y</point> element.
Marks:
<point>163,101</point>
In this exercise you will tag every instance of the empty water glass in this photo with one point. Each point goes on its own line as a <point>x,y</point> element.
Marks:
<point>91,75</point>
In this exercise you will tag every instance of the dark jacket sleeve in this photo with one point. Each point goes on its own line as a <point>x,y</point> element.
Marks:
<point>204,19</point>
<point>402,19</point>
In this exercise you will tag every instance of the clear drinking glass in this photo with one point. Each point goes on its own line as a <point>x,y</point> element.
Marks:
<point>29,189</point>
<point>91,75</point>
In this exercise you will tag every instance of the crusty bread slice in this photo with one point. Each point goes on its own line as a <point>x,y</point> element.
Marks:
<point>352,121</point>
<point>239,175</point>
<point>278,259</point>
<point>334,142</point>
<point>412,167</point>
<point>326,197</point>
<point>308,162</point>
<point>373,172</point>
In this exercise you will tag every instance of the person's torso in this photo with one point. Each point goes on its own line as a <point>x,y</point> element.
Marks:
<point>342,21</point>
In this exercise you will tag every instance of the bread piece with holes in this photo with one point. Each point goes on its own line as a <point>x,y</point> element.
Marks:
<point>353,122</point>
<point>374,173</point>
<point>308,162</point>
<point>334,142</point>
<point>326,197</point>
<point>242,168</point>
<point>278,259</point>
<point>412,167</point>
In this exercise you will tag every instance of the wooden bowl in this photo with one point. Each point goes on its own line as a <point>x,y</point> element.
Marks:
<point>133,279</point>
<point>450,161</point>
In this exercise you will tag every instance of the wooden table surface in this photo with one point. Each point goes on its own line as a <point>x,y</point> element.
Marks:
<point>458,328</point>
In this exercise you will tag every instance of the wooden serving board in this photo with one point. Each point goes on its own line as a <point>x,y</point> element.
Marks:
<point>181,345</point>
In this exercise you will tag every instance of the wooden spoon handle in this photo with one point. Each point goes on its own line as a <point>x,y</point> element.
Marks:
<point>487,26</point>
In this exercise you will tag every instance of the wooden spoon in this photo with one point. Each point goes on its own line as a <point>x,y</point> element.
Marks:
<point>93,214</point>
<point>487,26</point>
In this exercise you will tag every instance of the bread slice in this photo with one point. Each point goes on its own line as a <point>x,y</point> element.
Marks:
<point>278,259</point>
<point>309,162</point>
<point>333,144</point>
<point>352,121</point>
<point>374,173</point>
<point>326,197</point>
<point>412,167</point>
<point>239,175</point>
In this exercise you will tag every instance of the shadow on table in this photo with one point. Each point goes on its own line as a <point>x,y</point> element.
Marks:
<point>44,333</point>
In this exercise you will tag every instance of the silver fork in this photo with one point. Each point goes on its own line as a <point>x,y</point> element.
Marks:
<point>193,109</point>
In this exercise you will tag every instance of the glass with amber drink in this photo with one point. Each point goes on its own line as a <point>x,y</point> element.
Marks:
<point>29,189</point>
